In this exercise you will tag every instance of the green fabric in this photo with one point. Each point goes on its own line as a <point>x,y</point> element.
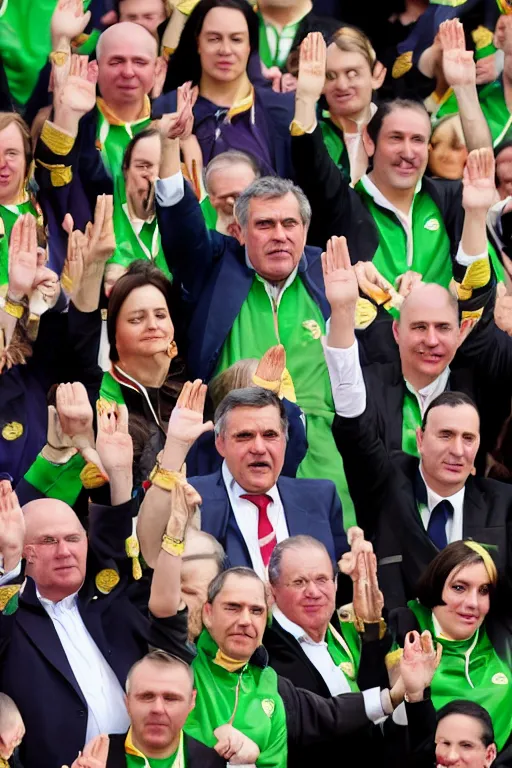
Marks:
<point>89,46</point>
<point>411,420</point>
<point>487,50</point>
<point>209,213</point>
<point>113,140</point>
<point>57,481</point>
<point>281,54</point>
<point>111,389</point>
<point>134,761</point>
<point>297,323</point>
<point>259,712</point>
<point>494,108</point>
<point>339,654</point>
<point>431,244</point>
<point>485,671</point>
<point>333,140</point>
<point>9,214</point>
<point>25,43</point>
<point>128,248</point>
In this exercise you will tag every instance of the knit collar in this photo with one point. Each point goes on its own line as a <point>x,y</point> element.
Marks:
<point>109,114</point>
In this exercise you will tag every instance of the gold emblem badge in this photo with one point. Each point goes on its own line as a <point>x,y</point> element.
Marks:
<point>402,65</point>
<point>268,707</point>
<point>132,546</point>
<point>313,327</point>
<point>482,37</point>
<point>106,580</point>
<point>12,431</point>
<point>432,225</point>
<point>365,314</point>
<point>136,569</point>
<point>348,669</point>
<point>7,593</point>
<point>500,679</point>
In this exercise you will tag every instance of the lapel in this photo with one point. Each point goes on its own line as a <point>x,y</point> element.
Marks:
<point>297,517</point>
<point>92,618</point>
<point>218,519</point>
<point>310,270</point>
<point>474,510</point>
<point>413,488</point>
<point>284,638</point>
<point>41,633</point>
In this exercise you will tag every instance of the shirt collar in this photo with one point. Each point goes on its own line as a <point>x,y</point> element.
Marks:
<point>294,629</point>
<point>379,198</point>
<point>428,393</point>
<point>275,290</point>
<point>238,491</point>
<point>433,498</point>
<point>65,604</point>
<point>112,118</point>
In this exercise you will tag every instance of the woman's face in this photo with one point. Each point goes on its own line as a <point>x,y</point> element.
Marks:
<point>223,44</point>
<point>447,151</point>
<point>144,327</point>
<point>13,166</point>
<point>348,82</point>
<point>466,594</point>
<point>142,172</point>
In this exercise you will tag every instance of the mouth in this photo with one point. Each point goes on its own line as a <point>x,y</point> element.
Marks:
<point>152,338</point>
<point>404,168</point>
<point>260,466</point>
<point>224,64</point>
<point>453,468</point>
<point>431,357</point>
<point>468,618</point>
<point>279,253</point>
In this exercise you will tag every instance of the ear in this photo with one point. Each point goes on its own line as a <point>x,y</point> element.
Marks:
<point>396,330</point>
<point>379,75</point>
<point>368,144</point>
<point>160,75</point>
<point>465,329</point>
<point>207,615</point>
<point>193,699</point>
<point>490,755</point>
<point>219,444</point>
<point>29,552</point>
<point>235,231</point>
<point>241,238</point>
<point>419,439</point>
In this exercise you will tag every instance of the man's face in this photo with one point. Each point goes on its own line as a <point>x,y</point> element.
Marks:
<point>12,164</point>
<point>142,172</point>
<point>459,743</point>
<point>148,13</point>
<point>223,45</point>
<point>428,334</point>
<point>225,187</point>
<point>56,551</point>
<point>237,617</point>
<point>253,444</point>
<point>401,153</point>
<point>348,82</point>
<point>275,236</point>
<point>159,701</point>
<point>449,444</point>
<point>127,67</point>
<point>195,578</point>
<point>306,591</point>
<point>503,172</point>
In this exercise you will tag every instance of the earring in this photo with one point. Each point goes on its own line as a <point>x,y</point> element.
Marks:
<point>172,349</point>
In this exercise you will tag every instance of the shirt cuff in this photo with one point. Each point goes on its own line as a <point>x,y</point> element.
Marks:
<point>347,382</point>
<point>170,191</point>
<point>465,261</point>
<point>400,715</point>
<point>10,575</point>
<point>297,129</point>
<point>376,705</point>
<point>59,141</point>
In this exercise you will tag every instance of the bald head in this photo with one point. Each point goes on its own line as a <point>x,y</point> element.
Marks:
<point>55,548</point>
<point>125,36</point>
<point>427,297</point>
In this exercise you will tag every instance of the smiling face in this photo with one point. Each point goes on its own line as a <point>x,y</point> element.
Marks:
<point>223,45</point>
<point>55,548</point>
<point>253,444</point>
<point>275,236</point>
<point>237,617</point>
<point>306,591</point>
<point>348,83</point>
<point>144,327</point>
<point>127,65</point>
<point>447,151</point>
<point>466,598</point>
<point>459,743</point>
<point>159,700</point>
<point>448,447</point>
<point>401,153</point>
<point>142,173</point>
<point>13,166</point>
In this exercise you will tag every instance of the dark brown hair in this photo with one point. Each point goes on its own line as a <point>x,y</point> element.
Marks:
<point>386,108</point>
<point>6,119</point>
<point>145,134</point>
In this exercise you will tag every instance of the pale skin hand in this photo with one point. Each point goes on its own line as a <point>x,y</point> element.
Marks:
<point>372,283</point>
<point>22,257</point>
<point>407,281</point>
<point>12,736</point>
<point>45,288</point>
<point>342,292</point>
<point>115,450</point>
<point>12,527</point>
<point>272,364</point>
<point>95,753</point>
<point>458,65</point>
<point>75,415</point>
<point>419,663</point>
<point>186,422</point>
<point>479,192</point>
<point>311,79</point>
<point>68,21</point>
<point>234,746</point>
<point>74,91</point>
<point>361,565</point>
<point>486,70</point>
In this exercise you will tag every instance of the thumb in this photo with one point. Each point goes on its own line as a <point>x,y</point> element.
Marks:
<point>208,426</point>
<point>68,224</point>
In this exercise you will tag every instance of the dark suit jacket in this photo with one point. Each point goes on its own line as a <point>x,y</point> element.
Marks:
<point>310,506</point>
<point>197,755</point>
<point>34,670</point>
<point>385,489</point>
<point>216,280</point>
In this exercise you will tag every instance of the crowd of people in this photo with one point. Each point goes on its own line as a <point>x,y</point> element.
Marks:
<point>255,383</point>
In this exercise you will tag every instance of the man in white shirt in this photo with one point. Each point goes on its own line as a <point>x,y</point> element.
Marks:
<point>409,510</point>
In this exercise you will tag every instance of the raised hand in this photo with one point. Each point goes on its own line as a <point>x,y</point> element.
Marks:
<point>180,124</point>
<point>361,565</point>
<point>22,256</point>
<point>234,746</point>
<point>45,288</point>
<point>372,283</point>
<point>340,280</point>
<point>94,247</point>
<point>184,502</point>
<point>312,65</point>
<point>75,414</point>
<point>272,364</point>
<point>479,190</point>
<point>486,70</point>
<point>68,21</point>
<point>186,422</point>
<point>95,753</point>
<point>419,663</point>
<point>458,65</point>
<point>358,545</point>
<point>407,281</point>
<point>12,527</point>
<point>74,87</point>
<point>113,442</point>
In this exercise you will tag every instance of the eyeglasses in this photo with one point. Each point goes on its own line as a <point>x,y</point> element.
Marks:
<point>299,585</point>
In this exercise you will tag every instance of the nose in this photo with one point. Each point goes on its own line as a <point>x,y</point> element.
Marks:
<point>279,232</point>
<point>152,322</point>
<point>63,548</point>
<point>471,599</point>
<point>342,82</point>
<point>158,705</point>
<point>3,160</point>
<point>258,445</point>
<point>407,148</point>
<point>244,618</point>
<point>225,46</point>
<point>457,446</point>
<point>127,70</point>
<point>431,338</point>
<point>312,589</point>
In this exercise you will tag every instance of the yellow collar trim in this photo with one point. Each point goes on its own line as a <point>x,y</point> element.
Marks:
<point>112,118</point>
<point>130,749</point>
<point>243,105</point>
<point>231,665</point>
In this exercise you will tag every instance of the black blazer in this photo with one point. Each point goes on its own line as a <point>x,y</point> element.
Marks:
<point>197,755</point>
<point>385,486</point>
<point>34,669</point>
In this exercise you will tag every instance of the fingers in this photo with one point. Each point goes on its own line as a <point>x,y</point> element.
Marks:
<point>427,645</point>
<point>100,746</point>
<point>15,241</point>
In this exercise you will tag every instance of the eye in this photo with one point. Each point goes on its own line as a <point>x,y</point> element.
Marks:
<point>330,75</point>
<point>458,588</point>
<point>484,590</point>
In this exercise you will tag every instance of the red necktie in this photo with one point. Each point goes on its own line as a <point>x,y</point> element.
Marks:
<point>266,533</point>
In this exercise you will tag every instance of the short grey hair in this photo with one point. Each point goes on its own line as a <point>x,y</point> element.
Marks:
<point>216,585</point>
<point>248,397</point>
<point>228,159</point>
<point>157,656</point>
<point>293,542</point>
<point>269,188</point>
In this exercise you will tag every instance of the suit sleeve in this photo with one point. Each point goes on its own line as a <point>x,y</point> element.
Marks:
<point>311,719</point>
<point>421,727</point>
<point>336,521</point>
<point>109,527</point>
<point>170,634</point>
<point>489,349</point>
<point>372,671</point>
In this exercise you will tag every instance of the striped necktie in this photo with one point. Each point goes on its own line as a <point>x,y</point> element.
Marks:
<point>266,533</point>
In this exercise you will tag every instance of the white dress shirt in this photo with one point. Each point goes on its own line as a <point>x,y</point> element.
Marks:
<point>96,679</point>
<point>454,524</point>
<point>246,515</point>
<point>319,656</point>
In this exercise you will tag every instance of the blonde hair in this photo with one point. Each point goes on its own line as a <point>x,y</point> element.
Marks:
<point>352,40</point>
<point>237,376</point>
